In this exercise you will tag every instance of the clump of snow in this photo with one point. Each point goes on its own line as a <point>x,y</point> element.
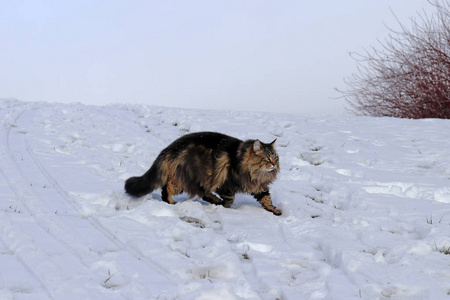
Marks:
<point>366,208</point>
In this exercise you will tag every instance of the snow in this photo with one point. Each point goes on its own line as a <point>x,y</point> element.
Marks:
<point>366,208</point>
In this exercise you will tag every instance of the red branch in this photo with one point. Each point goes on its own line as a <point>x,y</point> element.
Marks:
<point>409,77</point>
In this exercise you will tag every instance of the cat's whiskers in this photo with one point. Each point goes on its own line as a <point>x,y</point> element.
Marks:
<point>270,169</point>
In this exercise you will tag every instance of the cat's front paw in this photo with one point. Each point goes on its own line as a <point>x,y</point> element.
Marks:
<point>274,210</point>
<point>277,212</point>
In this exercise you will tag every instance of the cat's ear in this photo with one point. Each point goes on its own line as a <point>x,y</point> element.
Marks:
<point>257,146</point>
<point>273,143</point>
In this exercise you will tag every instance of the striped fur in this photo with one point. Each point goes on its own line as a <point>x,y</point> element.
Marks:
<point>207,164</point>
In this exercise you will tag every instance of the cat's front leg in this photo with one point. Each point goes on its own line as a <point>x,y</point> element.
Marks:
<point>266,201</point>
<point>211,198</point>
<point>228,199</point>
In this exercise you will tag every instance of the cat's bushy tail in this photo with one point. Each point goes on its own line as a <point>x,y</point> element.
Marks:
<point>142,185</point>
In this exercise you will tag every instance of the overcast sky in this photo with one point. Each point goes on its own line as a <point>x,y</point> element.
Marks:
<point>280,56</point>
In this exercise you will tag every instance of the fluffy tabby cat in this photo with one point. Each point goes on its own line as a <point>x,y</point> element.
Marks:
<point>208,164</point>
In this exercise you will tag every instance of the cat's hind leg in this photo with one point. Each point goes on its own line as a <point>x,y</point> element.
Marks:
<point>168,191</point>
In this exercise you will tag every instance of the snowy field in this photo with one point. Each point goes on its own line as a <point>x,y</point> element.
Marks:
<point>366,209</point>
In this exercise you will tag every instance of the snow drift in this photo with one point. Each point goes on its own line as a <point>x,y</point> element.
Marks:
<point>366,208</point>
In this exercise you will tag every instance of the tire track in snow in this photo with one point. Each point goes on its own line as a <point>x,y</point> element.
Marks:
<point>10,238</point>
<point>24,194</point>
<point>25,191</point>
<point>94,222</point>
<point>52,226</point>
<point>33,204</point>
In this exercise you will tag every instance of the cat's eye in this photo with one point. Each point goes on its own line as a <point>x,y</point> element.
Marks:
<point>267,159</point>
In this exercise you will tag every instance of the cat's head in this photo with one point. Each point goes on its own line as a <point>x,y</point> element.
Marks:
<point>267,156</point>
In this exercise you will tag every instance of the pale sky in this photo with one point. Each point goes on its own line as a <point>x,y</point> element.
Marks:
<point>276,56</point>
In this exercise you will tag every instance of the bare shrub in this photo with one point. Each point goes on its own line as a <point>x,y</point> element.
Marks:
<point>409,76</point>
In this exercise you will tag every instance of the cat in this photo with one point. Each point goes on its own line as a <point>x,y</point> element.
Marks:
<point>208,164</point>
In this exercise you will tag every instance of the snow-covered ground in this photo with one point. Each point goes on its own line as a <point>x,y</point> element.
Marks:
<point>366,209</point>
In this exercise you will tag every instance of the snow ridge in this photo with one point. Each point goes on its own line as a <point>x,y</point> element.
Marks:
<point>366,208</point>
